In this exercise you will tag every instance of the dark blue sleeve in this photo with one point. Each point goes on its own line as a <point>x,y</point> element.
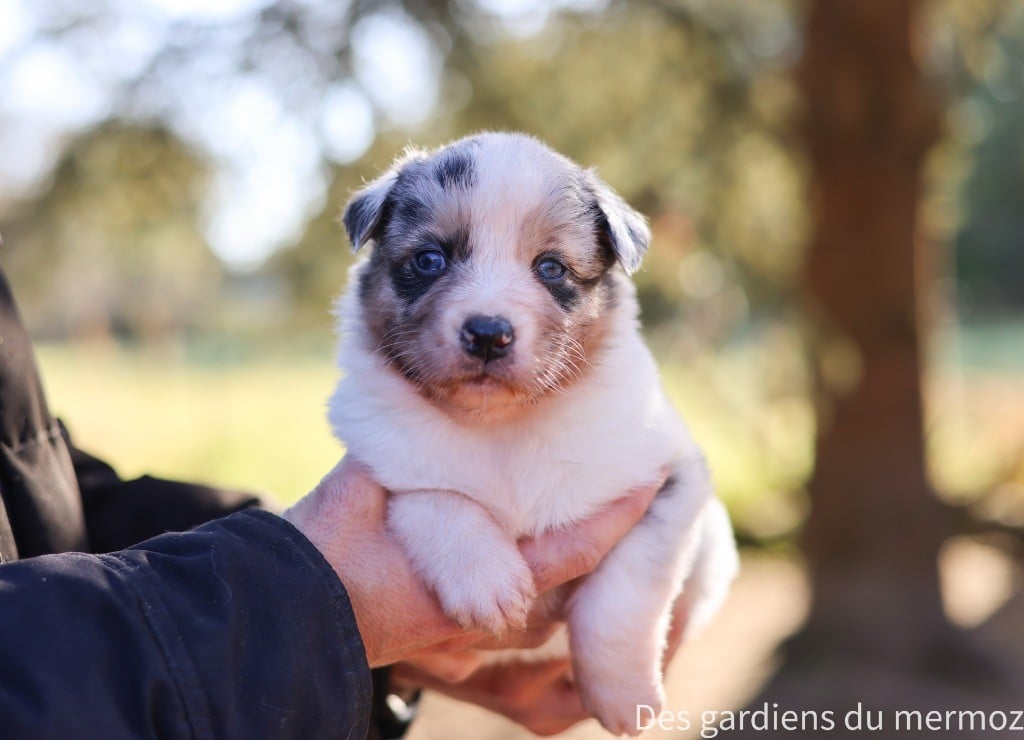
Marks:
<point>237,629</point>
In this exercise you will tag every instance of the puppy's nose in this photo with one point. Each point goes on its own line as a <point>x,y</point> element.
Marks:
<point>487,337</point>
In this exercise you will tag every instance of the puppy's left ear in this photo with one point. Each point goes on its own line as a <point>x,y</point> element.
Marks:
<point>625,228</point>
<point>363,214</point>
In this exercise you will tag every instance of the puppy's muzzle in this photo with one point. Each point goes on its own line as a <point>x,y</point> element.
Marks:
<point>487,337</point>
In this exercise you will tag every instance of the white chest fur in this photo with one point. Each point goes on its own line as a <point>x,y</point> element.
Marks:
<point>557,463</point>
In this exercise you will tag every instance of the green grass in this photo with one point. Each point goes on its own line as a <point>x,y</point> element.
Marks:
<point>257,425</point>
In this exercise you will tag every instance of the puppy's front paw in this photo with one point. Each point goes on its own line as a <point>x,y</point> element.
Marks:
<point>620,703</point>
<point>490,595</point>
<point>466,558</point>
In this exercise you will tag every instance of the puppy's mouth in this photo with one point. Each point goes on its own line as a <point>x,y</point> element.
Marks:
<point>461,384</point>
<point>482,380</point>
<point>483,383</point>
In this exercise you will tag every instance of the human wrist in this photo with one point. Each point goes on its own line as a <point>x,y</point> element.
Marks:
<point>312,518</point>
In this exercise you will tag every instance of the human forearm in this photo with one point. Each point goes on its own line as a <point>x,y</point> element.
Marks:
<point>236,629</point>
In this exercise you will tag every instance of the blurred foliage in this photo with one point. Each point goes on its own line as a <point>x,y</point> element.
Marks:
<point>989,253</point>
<point>684,108</point>
<point>115,238</point>
<point>976,51</point>
<point>651,99</point>
<point>687,108</point>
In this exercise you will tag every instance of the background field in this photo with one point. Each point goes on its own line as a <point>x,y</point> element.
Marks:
<point>255,419</point>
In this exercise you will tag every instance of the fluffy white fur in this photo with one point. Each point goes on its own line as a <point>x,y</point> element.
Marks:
<point>465,490</point>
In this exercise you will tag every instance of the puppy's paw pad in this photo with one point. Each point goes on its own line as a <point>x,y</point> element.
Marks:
<point>494,601</point>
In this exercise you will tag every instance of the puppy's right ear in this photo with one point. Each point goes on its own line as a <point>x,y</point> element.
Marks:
<point>362,215</point>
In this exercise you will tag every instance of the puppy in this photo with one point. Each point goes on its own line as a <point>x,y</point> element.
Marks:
<point>495,381</point>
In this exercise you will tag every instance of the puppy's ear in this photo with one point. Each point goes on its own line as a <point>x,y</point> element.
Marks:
<point>624,228</point>
<point>363,214</point>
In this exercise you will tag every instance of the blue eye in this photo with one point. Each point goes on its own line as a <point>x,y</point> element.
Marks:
<point>550,269</point>
<point>430,261</point>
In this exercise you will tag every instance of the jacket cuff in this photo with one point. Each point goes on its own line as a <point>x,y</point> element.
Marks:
<point>344,616</point>
<point>256,627</point>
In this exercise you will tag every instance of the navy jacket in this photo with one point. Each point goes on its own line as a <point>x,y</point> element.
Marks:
<point>237,629</point>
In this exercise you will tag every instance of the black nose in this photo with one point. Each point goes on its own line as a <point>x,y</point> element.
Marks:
<point>486,337</point>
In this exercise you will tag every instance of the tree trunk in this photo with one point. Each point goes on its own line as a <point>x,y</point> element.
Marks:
<point>876,634</point>
<point>875,526</point>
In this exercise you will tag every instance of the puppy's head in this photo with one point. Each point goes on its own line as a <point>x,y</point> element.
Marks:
<point>497,266</point>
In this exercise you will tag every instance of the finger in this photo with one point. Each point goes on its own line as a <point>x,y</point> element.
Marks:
<point>558,557</point>
<point>538,696</point>
<point>448,667</point>
<point>550,703</point>
<point>533,636</point>
<point>557,712</point>
<point>457,644</point>
<point>503,686</point>
<point>408,673</point>
<point>544,671</point>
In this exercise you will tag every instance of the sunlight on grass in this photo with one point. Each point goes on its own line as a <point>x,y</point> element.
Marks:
<point>258,425</point>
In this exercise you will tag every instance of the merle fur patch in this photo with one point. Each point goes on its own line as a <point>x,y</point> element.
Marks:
<point>454,169</point>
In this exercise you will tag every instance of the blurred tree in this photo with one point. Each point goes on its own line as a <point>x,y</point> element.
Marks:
<point>989,257</point>
<point>685,106</point>
<point>875,526</point>
<point>877,631</point>
<point>710,163</point>
<point>312,272</point>
<point>115,237</point>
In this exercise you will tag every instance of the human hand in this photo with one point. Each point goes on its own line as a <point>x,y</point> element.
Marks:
<point>541,696</point>
<point>345,518</point>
